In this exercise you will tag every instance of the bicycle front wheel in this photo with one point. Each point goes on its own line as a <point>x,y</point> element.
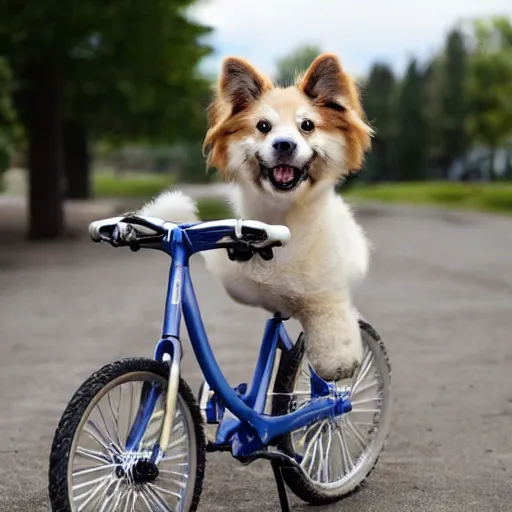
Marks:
<point>91,468</point>
<point>335,454</point>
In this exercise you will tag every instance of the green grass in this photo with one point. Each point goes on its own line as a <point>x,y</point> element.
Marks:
<point>145,186</point>
<point>490,197</point>
<point>142,186</point>
<point>214,209</point>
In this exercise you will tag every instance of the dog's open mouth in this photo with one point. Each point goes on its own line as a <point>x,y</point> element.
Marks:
<point>284,177</point>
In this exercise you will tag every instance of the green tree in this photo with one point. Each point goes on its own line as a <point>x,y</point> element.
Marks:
<point>490,83</point>
<point>111,99</point>
<point>379,100</point>
<point>448,103</point>
<point>411,143</point>
<point>52,45</point>
<point>289,66</point>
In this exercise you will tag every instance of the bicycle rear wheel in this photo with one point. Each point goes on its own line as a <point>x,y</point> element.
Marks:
<point>336,454</point>
<point>91,468</point>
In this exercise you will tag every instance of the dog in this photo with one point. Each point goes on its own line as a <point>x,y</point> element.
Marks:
<point>284,150</point>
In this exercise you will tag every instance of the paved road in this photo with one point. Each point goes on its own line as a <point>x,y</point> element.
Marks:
<point>440,293</point>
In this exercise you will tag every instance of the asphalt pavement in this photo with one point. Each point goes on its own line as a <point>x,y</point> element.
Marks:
<point>439,292</point>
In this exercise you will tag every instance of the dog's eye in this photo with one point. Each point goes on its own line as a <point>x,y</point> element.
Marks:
<point>307,125</point>
<point>264,126</point>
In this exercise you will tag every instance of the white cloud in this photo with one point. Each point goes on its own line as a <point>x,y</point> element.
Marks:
<point>360,31</point>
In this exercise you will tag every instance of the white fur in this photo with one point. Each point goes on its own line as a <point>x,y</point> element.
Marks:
<point>171,205</point>
<point>311,279</point>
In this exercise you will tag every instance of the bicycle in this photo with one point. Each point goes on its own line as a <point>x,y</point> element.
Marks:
<point>132,437</point>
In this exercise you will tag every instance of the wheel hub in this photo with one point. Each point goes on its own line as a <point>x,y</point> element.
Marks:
<point>144,472</point>
<point>138,473</point>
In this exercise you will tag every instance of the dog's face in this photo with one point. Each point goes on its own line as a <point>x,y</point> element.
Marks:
<point>286,141</point>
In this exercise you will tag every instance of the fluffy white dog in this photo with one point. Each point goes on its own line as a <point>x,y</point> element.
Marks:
<point>284,149</point>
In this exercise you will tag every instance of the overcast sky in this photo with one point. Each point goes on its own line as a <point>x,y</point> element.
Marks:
<point>360,31</point>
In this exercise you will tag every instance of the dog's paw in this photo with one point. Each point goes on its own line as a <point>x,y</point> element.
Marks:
<point>333,341</point>
<point>335,369</point>
<point>337,359</point>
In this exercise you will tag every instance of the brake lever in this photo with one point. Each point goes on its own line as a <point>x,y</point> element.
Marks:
<point>267,254</point>
<point>241,251</point>
<point>244,251</point>
<point>123,235</point>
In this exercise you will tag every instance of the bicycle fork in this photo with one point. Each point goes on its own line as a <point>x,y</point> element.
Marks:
<point>168,348</point>
<point>172,390</point>
<point>172,394</point>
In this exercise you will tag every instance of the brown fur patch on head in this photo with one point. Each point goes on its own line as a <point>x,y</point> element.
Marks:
<point>336,95</point>
<point>239,86</point>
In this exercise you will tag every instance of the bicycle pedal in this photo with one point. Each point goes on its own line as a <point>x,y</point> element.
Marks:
<point>215,447</point>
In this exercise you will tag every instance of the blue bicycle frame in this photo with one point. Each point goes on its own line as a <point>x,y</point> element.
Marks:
<point>247,429</point>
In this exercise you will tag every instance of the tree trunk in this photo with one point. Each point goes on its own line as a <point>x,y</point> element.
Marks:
<point>46,215</point>
<point>76,160</point>
<point>492,170</point>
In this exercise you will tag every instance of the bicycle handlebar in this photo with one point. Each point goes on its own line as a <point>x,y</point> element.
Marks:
<point>133,231</point>
<point>245,237</point>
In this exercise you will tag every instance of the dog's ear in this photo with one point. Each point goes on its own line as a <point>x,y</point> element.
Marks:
<point>323,77</point>
<point>327,83</point>
<point>241,84</point>
<point>334,91</point>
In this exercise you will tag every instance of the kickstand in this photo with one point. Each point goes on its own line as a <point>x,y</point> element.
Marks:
<point>281,489</point>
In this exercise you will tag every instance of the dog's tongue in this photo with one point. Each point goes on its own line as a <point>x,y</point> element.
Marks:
<point>283,173</point>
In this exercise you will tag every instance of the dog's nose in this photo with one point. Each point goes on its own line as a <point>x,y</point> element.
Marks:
<point>284,147</point>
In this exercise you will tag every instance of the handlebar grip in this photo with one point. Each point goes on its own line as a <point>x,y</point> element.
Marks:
<point>96,226</point>
<point>261,235</point>
<point>126,231</point>
<point>254,237</point>
<point>277,233</point>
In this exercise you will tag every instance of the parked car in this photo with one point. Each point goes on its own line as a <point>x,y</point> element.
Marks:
<point>478,165</point>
